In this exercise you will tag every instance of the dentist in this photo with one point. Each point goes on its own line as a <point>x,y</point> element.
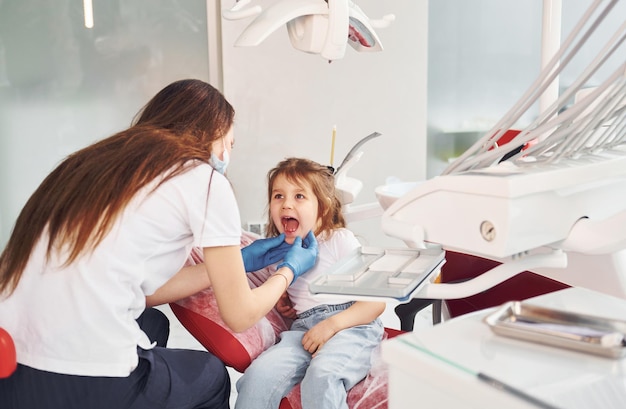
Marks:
<point>105,235</point>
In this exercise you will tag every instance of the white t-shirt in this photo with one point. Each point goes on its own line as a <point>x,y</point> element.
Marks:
<point>80,319</point>
<point>340,244</point>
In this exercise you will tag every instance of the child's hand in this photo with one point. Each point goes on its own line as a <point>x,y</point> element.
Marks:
<point>285,307</point>
<point>315,338</point>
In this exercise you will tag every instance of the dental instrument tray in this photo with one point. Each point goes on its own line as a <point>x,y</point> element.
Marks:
<point>372,271</point>
<point>585,333</point>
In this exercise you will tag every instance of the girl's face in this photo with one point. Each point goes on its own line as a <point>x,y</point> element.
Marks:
<point>293,209</point>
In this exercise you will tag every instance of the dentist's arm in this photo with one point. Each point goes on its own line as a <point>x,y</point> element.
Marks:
<point>188,281</point>
<point>240,306</point>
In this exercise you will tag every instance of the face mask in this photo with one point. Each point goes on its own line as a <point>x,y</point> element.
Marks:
<point>219,164</point>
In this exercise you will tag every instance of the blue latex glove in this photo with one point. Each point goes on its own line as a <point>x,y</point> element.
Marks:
<point>263,252</point>
<point>302,256</point>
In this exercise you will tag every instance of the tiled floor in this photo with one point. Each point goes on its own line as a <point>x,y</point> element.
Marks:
<point>180,338</point>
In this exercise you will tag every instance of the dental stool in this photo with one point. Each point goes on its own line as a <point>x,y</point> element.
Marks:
<point>200,316</point>
<point>8,358</point>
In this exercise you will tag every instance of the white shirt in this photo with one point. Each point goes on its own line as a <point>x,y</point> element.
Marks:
<point>340,244</point>
<point>80,319</point>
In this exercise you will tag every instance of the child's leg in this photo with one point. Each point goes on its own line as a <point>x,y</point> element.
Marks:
<point>341,363</point>
<point>273,374</point>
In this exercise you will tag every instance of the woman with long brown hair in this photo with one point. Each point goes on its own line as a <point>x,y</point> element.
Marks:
<point>105,235</point>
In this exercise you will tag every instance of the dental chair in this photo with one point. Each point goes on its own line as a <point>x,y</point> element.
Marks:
<point>8,358</point>
<point>200,316</point>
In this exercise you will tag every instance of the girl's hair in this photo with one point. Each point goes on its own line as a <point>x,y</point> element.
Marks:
<point>322,182</point>
<point>78,202</point>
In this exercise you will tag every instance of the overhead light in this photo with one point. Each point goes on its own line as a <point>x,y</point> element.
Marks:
<point>314,26</point>
<point>88,12</point>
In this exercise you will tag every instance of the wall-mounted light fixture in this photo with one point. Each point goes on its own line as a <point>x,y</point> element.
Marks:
<point>88,12</point>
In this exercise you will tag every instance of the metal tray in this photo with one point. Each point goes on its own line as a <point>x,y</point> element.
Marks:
<point>585,333</point>
<point>372,271</point>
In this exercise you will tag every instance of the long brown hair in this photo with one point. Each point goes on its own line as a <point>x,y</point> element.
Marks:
<point>78,202</point>
<point>322,182</point>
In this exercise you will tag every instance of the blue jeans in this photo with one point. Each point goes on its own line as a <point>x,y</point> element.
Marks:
<point>324,380</point>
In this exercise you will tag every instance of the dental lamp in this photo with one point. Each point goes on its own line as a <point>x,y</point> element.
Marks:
<point>314,26</point>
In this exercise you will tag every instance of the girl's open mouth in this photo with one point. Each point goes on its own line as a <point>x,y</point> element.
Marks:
<point>290,225</point>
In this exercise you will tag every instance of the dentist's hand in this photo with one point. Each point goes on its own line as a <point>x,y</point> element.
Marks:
<point>263,252</point>
<point>302,255</point>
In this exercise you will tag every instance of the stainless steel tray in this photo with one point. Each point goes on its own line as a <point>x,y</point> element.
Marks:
<point>372,271</point>
<point>585,333</point>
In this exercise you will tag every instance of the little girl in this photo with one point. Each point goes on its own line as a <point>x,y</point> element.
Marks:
<point>328,347</point>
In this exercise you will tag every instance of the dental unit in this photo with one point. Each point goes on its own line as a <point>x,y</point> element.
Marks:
<point>550,200</point>
<point>553,194</point>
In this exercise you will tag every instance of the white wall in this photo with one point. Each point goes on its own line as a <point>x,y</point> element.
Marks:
<point>63,86</point>
<point>287,102</point>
